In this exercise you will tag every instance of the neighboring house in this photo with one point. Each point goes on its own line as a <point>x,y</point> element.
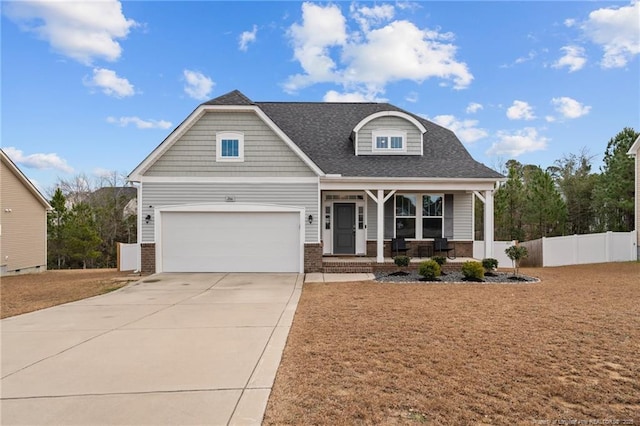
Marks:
<point>23,222</point>
<point>273,186</point>
<point>124,197</point>
<point>634,151</point>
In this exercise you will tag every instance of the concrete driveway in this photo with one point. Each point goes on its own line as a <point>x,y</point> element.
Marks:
<point>170,349</point>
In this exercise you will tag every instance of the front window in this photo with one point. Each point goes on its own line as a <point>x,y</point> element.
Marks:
<point>411,221</point>
<point>432,216</point>
<point>389,140</point>
<point>406,215</point>
<point>229,146</point>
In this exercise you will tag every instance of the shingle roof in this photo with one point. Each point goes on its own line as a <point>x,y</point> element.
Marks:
<point>322,130</point>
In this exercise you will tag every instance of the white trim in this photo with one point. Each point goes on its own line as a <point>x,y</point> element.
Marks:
<point>407,184</point>
<point>225,207</point>
<point>229,135</point>
<point>139,230</point>
<point>227,179</point>
<point>635,148</point>
<point>400,114</point>
<point>388,133</point>
<point>141,169</point>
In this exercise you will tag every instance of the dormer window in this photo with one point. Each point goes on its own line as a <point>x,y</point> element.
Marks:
<point>229,146</point>
<point>389,140</point>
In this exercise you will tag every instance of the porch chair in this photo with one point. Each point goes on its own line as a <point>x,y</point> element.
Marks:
<point>398,245</point>
<point>442,245</point>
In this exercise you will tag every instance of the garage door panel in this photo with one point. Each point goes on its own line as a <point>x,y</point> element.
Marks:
<point>230,242</point>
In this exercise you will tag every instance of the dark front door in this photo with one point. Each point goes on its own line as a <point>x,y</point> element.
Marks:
<point>344,228</point>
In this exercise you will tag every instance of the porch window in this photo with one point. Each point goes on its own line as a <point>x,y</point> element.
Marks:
<point>406,215</point>
<point>432,216</point>
<point>389,140</point>
<point>229,146</point>
<point>418,216</point>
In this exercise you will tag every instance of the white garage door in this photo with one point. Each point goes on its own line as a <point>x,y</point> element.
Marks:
<point>230,242</point>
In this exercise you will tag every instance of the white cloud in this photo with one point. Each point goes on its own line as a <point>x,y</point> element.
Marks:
<point>367,16</point>
<point>198,86</point>
<point>517,143</point>
<point>550,118</point>
<point>570,108</point>
<point>412,97</point>
<point>334,96</point>
<point>247,37</point>
<point>520,110</point>
<point>569,22</point>
<point>139,123</point>
<point>367,60</point>
<point>83,31</point>
<point>110,83</point>
<point>38,161</point>
<point>322,28</point>
<point>466,130</point>
<point>473,107</point>
<point>617,31</point>
<point>574,58</point>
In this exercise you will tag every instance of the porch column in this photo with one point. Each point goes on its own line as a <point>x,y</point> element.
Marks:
<point>488,223</point>
<point>380,237</point>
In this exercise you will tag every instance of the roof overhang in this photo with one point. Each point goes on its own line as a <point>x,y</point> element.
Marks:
<point>25,180</point>
<point>336,183</point>
<point>140,170</point>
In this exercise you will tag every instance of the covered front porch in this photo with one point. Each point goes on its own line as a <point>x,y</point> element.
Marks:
<point>360,218</point>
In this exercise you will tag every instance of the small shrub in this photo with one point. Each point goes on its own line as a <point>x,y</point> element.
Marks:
<point>401,260</point>
<point>473,271</point>
<point>429,269</point>
<point>440,260</point>
<point>489,264</point>
<point>516,253</point>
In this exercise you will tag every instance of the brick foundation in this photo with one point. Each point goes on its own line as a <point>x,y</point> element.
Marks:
<point>148,258</point>
<point>462,248</point>
<point>313,257</point>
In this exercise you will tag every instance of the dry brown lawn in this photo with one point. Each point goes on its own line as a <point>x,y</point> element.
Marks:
<point>565,350</point>
<point>20,294</point>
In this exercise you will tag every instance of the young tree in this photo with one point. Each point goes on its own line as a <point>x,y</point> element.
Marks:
<point>56,226</point>
<point>545,211</point>
<point>508,204</point>
<point>614,190</point>
<point>82,240</point>
<point>572,174</point>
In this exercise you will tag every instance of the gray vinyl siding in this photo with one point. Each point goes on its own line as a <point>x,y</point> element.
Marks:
<point>156,195</point>
<point>194,154</point>
<point>463,216</point>
<point>414,137</point>
<point>372,219</point>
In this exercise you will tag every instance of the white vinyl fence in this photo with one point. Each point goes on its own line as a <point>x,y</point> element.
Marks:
<point>498,252</point>
<point>591,248</point>
<point>128,255</point>
<point>569,250</point>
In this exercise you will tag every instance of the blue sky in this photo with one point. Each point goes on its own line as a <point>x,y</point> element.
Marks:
<point>93,87</point>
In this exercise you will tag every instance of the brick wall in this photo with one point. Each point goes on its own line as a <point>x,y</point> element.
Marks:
<point>148,258</point>
<point>313,257</point>
<point>463,248</point>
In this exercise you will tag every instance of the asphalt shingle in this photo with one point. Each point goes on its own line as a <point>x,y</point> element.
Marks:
<point>323,131</point>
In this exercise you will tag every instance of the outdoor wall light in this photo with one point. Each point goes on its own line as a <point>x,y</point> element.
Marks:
<point>147,218</point>
<point>310,219</point>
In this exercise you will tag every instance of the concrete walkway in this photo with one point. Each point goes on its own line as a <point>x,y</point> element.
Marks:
<point>319,277</point>
<point>169,349</point>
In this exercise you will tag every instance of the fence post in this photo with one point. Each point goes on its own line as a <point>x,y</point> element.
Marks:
<point>607,246</point>
<point>576,249</point>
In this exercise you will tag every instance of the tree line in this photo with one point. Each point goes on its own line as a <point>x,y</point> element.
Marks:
<point>566,198</point>
<point>87,219</point>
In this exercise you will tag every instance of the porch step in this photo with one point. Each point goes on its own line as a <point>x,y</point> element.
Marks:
<point>347,268</point>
